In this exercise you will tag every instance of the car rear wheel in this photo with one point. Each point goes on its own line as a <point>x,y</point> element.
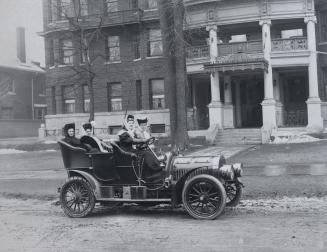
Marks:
<point>234,193</point>
<point>77,198</point>
<point>204,197</point>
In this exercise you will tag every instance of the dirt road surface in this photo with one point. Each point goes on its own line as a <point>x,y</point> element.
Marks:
<point>286,224</point>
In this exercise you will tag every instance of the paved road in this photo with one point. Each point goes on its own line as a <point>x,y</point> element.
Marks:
<point>297,224</point>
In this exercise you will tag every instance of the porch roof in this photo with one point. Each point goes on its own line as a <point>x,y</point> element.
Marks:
<point>238,62</point>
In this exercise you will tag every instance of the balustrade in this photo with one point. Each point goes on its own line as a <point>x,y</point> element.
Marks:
<point>291,44</point>
<point>196,52</point>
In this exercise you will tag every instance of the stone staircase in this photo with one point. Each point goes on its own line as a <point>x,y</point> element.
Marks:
<point>238,136</point>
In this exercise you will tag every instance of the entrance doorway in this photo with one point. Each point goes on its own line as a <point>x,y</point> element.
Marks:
<point>249,107</point>
<point>296,93</point>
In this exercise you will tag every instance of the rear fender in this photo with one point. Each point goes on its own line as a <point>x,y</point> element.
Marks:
<point>92,181</point>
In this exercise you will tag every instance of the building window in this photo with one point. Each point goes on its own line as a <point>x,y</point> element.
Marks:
<point>39,113</point>
<point>83,46</point>
<point>154,42</point>
<point>50,11</point>
<point>158,128</point>
<point>157,94</point>
<point>11,86</point>
<point>238,38</point>
<point>136,46</point>
<point>113,130</point>
<point>83,7</point>
<point>63,9</point>
<point>7,113</point>
<point>152,4</point>
<point>135,4</point>
<point>51,53</point>
<point>113,49</point>
<point>139,95</point>
<point>66,52</point>
<point>53,100</point>
<point>292,33</point>
<point>111,6</point>
<point>115,97</point>
<point>323,26</point>
<point>69,99</point>
<point>86,98</point>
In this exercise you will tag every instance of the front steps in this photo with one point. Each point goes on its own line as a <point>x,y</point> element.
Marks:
<point>238,136</point>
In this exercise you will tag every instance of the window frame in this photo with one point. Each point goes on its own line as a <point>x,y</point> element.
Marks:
<point>153,96</point>
<point>112,97</point>
<point>107,4</point>
<point>111,48</point>
<point>154,41</point>
<point>64,50</point>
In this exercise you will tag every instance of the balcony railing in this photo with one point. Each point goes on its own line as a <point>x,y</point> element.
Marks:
<point>240,47</point>
<point>291,44</point>
<point>197,52</point>
<point>106,19</point>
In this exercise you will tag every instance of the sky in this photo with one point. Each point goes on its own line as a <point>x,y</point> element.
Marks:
<point>26,13</point>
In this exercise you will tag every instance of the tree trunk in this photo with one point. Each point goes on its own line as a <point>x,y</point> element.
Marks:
<point>167,26</point>
<point>182,141</point>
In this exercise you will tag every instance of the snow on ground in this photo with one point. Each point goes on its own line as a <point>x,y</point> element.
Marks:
<point>50,142</point>
<point>10,151</point>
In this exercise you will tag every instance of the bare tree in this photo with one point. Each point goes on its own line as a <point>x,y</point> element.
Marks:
<point>172,23</point>
<point>83,36</point>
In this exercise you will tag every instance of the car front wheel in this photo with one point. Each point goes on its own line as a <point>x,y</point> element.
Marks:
<point>204,197</point>
<point>77,198</point>
<point>234,193</point>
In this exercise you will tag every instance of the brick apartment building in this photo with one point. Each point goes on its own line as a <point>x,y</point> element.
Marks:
<point>250,63</point>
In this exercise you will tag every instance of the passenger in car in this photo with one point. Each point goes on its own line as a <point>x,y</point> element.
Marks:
<point>92,140</point>
<point>128,139</point>
<point>70,138</point>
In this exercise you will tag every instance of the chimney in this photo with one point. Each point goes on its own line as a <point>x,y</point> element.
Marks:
<point>21,53</point>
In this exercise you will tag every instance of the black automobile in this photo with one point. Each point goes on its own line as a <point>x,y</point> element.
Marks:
<point>203,184</point>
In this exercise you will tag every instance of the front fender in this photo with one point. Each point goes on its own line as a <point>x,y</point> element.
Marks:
<point>92,181</point>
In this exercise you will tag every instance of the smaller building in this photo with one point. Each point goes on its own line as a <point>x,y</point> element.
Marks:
<point>22,93</point>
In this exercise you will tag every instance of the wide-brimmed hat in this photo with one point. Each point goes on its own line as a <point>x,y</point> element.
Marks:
<point>142,120</point>
<point>129,118</point>
<point>87,126</point>
<point>69,126</point>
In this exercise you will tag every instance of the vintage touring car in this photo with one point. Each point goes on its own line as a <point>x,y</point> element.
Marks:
<point>203,184</point>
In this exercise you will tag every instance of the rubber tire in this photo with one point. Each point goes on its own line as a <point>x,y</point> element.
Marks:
<point>197,179</point>
<point>86,185</point>
<point>236,200</point>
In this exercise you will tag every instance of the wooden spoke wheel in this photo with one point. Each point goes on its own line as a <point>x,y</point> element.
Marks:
<point>204,197</point>
<point>77,198</point>
<point>234,193</point>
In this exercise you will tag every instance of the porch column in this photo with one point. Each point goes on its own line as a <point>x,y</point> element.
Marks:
<point>215,107</point>
<point>228,106</point>
<point>269,103</point>
<point>238,109</point>
<point>315,121</point>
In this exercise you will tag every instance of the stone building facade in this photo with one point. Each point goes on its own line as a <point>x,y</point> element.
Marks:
<point>250,63</point>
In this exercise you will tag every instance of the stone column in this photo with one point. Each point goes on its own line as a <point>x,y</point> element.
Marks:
<point>215,107</point>
<point>238,109</point>
<point>269,103</point>
<point>228,106</point>
<point>315,121</point>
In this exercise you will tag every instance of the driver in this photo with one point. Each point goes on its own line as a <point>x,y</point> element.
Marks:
<point>127,138</point>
